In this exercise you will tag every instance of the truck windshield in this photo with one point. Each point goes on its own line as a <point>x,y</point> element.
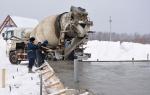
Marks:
<point>9,34</point>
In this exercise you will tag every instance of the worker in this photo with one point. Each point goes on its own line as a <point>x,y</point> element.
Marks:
<point>41,52</point>
<point>32,47</point>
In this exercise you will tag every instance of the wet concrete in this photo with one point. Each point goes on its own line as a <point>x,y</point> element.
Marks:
<point>119,78</point>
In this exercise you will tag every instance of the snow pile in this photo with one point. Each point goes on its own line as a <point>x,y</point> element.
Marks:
<point>115,51</point>
<point>22,22</point>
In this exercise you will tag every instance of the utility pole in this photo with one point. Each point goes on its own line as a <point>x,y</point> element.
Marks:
<point>110,21</point>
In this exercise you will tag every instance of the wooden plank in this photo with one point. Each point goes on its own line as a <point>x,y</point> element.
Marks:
<point>45,72</point>
<point>49,76</point>
<point>59,92</point>
<point>53,84</point>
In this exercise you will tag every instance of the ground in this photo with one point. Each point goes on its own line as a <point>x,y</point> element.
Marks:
<point>18,80</point>
<point>99,78</point>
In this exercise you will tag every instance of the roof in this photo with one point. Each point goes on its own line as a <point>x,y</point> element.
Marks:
<point>23,22</point>
<point>19,22</point>
<point>1,22</point>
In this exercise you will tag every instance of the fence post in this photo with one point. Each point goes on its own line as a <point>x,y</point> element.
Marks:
<point>3,77</point>
<point>147,56</point>
<point>76,70</point>
<point>133,60</point>
<point>41,84</point>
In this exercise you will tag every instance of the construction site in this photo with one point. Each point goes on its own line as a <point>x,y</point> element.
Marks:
<point>54,55</point>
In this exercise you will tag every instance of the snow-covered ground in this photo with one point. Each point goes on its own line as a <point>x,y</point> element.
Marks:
<point>18,78</point>
<point>23,83</point>
<point>104,50</point>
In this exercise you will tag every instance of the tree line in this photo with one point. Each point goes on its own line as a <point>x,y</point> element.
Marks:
<point>122,37</point>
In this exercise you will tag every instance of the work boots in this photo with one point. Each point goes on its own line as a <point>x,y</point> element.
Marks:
<point>30,70</point>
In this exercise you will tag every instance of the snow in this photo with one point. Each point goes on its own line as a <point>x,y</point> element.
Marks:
<point>116,51</point>
<point>17,76</point>
<point>23,83</point>
<point>23,22</point>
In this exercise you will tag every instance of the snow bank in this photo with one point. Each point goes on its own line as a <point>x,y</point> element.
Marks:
<point>104,50</point>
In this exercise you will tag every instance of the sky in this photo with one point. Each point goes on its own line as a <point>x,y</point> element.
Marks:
<point>128,16</point>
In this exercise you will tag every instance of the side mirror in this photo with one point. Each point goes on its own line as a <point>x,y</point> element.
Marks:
<point>3,35</point>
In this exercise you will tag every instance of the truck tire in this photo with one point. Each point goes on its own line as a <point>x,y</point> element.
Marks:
<point>13,58</point>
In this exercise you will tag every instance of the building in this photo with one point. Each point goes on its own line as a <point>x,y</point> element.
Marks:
<point>17,22</point>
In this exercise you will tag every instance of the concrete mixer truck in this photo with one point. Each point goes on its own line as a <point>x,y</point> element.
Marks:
<point>66,33</point>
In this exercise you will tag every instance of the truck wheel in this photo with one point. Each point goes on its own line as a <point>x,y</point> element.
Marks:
<point>13,58</point>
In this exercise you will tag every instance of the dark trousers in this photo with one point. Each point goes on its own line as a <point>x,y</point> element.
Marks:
<point>40,57</point>
<point>31,62</point>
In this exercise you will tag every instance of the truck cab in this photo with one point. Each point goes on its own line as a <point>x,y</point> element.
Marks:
<point>16,40</point>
